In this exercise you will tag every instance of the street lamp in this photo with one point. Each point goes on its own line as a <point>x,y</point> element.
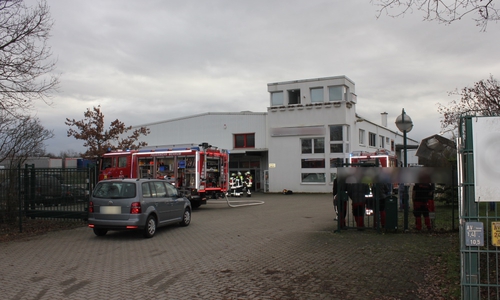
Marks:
<point>404,124</point>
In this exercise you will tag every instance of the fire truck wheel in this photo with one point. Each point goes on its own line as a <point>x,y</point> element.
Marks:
<point>150,229</point>
<point>186,218</point>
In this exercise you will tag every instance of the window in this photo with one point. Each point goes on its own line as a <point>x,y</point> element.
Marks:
<point>277,98</point>
<point>313,163</point>
<point>313,177</point>
<point>294,97</point>
<point>337,162</point>
<point>244,140</point>
<point>337,138</point>
<point>336,148</point>
<point>122,162</point>
<point>317,95</point>
<point>361,137</point>
<point>372,139</point>
<point>382,142</point>
<point>336,133</point>
<point>313,145</point>
<point>335,93</point>
<point>146,192</point>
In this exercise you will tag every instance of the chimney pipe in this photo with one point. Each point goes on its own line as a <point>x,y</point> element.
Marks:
<point>384,119</point>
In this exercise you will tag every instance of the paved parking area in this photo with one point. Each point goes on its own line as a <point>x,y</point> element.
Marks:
<point>283,249</point>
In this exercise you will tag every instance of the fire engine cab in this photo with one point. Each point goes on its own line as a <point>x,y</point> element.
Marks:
<point>380,158</point>
<point>198,172</point>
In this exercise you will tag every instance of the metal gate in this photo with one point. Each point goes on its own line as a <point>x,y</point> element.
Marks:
<point>29,192</point>
<point>479,212</point>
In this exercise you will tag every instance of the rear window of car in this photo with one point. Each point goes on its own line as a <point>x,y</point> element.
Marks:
<point>115,190</point>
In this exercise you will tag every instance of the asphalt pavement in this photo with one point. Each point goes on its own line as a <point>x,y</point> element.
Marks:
<point>285,248</point>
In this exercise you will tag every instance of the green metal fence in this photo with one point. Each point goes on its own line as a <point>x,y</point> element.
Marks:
<point>31,193</point>
<point>479,225</point>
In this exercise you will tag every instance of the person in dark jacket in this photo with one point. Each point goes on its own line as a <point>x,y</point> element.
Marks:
<point>357,192</point>
<point>337,205</point>
<point>422,193</point>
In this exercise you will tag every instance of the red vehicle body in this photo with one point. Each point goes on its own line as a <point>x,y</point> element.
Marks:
<point>198,172</point>
<point>380,158</point>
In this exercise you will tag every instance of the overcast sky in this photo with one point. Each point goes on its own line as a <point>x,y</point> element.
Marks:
<point>147,61</point>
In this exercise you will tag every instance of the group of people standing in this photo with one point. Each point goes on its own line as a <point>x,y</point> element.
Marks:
<point>240,185</point>
<point>363,196</point>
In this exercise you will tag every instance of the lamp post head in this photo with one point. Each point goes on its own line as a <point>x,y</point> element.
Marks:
<point>404,122</point>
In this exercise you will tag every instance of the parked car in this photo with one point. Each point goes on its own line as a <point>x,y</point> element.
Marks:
<point>137,204</point>
<point>72,194</point>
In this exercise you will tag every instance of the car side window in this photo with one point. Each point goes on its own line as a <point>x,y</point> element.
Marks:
<point>161,191</point>
<point>146,192</point>
<point>171,191</point>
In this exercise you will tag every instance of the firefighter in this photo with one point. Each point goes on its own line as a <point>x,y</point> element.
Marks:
<point>232,183</point>
<point>357,192</point>
<point>248,183</point>
<point>239,184</point>
<point>422,194</point>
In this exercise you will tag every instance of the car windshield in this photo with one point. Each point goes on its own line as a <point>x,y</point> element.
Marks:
<point>114,190</point>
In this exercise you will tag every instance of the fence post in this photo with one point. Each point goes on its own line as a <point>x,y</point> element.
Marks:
<point>19,198</point>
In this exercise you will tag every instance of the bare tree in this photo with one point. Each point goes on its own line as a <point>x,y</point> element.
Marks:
<point>97,140</point>
<point>20,138</point>
<point>483,99</point>
<point>25,65</point>
<point>442,11</point>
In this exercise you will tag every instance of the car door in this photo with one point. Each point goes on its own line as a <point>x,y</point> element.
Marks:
<point>163,202</point>
<point>177,202</point>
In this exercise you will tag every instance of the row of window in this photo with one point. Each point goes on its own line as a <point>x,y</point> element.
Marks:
<point>337,143</point>
<point>317,95</point>
<point>372,140</point>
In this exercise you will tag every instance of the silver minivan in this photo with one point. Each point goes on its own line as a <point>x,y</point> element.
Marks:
<point>136,204</point>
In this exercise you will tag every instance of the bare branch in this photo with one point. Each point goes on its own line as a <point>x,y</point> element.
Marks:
<point>483,99</point>
<point>442,11</point>
<point>25,65</point>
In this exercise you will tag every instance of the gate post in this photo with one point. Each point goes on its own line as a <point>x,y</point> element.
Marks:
<point>468,212</point>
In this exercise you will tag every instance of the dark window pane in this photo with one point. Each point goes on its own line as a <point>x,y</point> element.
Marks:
<point>336,133</point>
<point>336,148</point>
<point>319,145</point>
<point>306,146</point>
<point>250,140</point>
<point>239,141</point>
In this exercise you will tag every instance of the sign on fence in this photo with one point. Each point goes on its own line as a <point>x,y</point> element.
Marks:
<point>474,234</point>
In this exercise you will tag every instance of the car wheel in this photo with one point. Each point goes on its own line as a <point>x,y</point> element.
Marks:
<point>150,229</point>
<point>100,231</point>
<point>186,218</point>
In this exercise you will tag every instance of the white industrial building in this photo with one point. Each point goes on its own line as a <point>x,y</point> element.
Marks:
<point>308,126</point>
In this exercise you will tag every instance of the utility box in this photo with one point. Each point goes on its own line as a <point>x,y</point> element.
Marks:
<point>391,211</point>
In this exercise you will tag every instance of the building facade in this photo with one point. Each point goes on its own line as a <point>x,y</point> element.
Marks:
<point>310,125</point>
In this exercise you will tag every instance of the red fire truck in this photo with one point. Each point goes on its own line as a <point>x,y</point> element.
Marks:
<point>380,158</point>
<point>199,172</point>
